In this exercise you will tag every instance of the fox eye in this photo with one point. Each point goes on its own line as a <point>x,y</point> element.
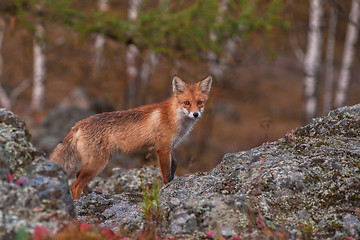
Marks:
<point>187,103</point>
<point>200,102</point>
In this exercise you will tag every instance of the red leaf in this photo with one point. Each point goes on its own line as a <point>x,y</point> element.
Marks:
<point>260,222</point>
<point>41,232</point>
<point>210,234</point>
<point>109,233</point>
<point>237,238</point>
<point>20,181</point>
<point>84,226</point>
<point>10,177</point>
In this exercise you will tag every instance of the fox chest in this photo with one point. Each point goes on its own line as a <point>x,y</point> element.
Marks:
<point>184,129</point>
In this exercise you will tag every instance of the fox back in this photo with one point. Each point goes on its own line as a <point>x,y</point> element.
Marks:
<point>87,148</point>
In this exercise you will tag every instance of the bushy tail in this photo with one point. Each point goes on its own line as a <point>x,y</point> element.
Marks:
<point>65,154</point>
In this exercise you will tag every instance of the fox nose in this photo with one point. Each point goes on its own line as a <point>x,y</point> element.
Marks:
<point>195,114</point>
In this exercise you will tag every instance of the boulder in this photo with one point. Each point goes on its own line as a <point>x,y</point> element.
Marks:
<point>33,190</point>
<point>308,180</point>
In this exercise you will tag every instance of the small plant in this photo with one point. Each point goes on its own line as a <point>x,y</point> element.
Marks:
<point>153,213</point>
<point>306,230</point>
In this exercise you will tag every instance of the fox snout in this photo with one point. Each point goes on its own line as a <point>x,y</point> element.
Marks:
<point>194,115</point>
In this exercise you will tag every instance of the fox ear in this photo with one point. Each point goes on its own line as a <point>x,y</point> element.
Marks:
<point>178,85</point>
<point>205,84</point>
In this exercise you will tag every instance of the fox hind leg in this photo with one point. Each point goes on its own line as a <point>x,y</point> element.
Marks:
<point>87,190</point>
<point>84,176</point>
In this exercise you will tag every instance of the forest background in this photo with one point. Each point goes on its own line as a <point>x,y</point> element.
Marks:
<point>276,63</point>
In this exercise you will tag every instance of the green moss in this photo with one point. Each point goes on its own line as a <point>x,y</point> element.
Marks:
<point>336,225</point>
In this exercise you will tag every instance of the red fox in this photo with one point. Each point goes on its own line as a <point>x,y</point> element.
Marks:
<point>88,146</point>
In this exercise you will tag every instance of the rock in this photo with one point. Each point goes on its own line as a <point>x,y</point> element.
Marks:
<point>309,177</point>
<point>119,205</point>
<point>117,212</point>
<point>127,180</point>
<point>33,190</point>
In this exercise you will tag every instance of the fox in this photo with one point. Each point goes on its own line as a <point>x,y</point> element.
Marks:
<point>87,148</point>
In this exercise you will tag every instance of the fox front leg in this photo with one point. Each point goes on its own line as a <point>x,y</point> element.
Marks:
<point>165,159</point>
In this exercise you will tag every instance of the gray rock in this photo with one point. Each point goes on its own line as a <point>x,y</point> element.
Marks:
<point>116,212</point>
<point>311,176</point>
<point>39,193</point>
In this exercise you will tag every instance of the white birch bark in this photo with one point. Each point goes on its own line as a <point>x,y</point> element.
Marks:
<point>329,77</point>
<point>348,55</point>
<point>217,64</point>
<point>103,5</point>
<point>39,68</point>
<point>148,67</point>
<point>312,59</point>
<point>132,56</point>
<point>4,98</point>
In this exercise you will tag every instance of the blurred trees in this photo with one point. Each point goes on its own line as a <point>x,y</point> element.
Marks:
<point>348,55</point>
<point>39,70</point>
<point>312,61</point>
<point>313,58</point>
<point>171,29</point>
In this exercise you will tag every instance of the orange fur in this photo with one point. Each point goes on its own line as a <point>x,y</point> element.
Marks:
<point>87,148</point>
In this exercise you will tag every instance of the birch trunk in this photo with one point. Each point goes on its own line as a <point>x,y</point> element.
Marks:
<point>218,64</point>
<point>103,5</point>
<point>148,67</point>
<point>4,98</point>
<point>132,57</point>
<point>39,68</point>
<point>348,55</point>
<point>312,59</point>
<point>329,78</point>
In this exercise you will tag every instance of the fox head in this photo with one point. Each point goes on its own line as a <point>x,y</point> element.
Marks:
<point>191,97</point>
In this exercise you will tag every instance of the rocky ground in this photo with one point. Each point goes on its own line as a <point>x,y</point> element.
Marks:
<point>305,185</point>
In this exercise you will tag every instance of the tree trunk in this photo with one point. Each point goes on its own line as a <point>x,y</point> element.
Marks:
<point>147,69</point>
<point>132,57</point>
<point>329,79</point>
<point>4,98</point>
<point>218,64</point>
<point>103,5</point>
<point>312,59</point>
<point>348,55</point>
<point>39,69</point>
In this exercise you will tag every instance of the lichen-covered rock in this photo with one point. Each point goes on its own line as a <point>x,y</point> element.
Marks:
<point>311,177</point>
<point>117,212</point>
<point>33,190</point>
<point>119,205</point>
<point>127,180</point>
